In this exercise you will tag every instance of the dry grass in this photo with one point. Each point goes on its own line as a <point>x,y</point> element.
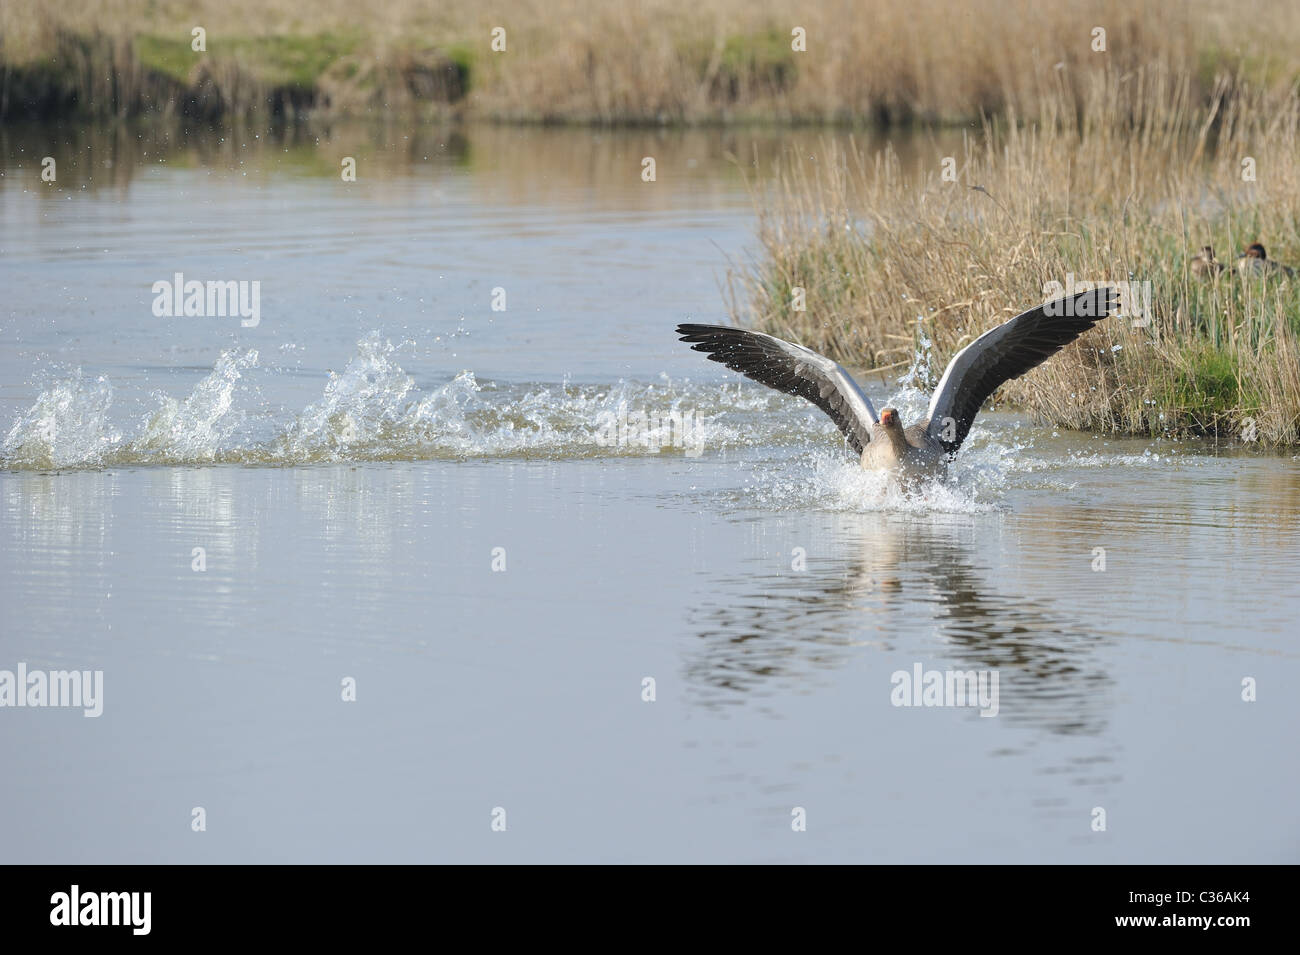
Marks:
<point>1126,190</point>
<point>648,61</point>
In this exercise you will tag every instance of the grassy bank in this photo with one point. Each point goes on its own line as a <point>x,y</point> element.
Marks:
<point>1110,194</point>
<point>926,61</point>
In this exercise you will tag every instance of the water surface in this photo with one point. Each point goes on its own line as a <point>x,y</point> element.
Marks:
<point>356,464</point>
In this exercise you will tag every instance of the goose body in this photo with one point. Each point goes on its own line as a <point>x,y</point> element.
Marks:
<point>1255,262</point>
<point>1205,265</point>
<point>913,451</point>
<point>1004,352</point>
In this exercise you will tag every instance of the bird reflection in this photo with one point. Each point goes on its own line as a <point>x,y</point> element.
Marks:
<point>904,585</point>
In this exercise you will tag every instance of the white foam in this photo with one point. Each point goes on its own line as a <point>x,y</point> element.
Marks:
<point>201,427</point>
<point>373,410</point>
<point>67,426</point>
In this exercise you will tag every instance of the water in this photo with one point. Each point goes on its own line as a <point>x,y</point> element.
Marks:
<point>355,464</point>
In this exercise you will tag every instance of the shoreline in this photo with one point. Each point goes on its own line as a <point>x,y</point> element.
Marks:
<point>874,270</point>
<point>775,63</point>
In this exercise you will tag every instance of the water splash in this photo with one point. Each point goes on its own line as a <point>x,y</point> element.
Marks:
<point>199,428</point>
<point>362,408</point>
<point>827,481</point>
<point>68,426</point>
<point>920,376</point>
<point>373,410</point>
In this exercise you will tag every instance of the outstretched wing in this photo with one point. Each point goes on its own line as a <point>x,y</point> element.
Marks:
<point>1007,352</point>
<point>792,369</point>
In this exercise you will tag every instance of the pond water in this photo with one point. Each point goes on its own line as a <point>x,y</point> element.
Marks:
<point>386,487</point>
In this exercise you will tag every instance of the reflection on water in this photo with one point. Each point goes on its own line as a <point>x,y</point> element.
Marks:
<point>893,586</point>
<point>514,165</point>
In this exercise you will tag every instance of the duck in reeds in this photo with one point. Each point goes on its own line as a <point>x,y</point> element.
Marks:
<point>1205,265</point>
<point>1255,261</point>
<point>975,372</point>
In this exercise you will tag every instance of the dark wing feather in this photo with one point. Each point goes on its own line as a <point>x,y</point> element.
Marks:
<point>1007,352</point>
<point>791,369</point>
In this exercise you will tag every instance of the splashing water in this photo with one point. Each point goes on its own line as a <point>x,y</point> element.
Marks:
<point>194,430</point>
<point>919,376</point>
<point>68,426</point>
<point>826,481</point>
<point>373,410</point>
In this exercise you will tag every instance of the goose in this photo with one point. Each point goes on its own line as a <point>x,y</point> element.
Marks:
<point>1205,264</point>
<point>923,449</point>
<point>1255,261</point>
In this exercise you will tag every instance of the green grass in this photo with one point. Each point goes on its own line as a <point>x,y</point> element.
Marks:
<point>1208,384</point>
<point>166,55</point>
<point>289,60</point>
<point>1258,67</point>
<point>762,61</point>
<point>464,57</point>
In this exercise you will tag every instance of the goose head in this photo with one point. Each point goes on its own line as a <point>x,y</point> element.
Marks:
<point>893,425</point>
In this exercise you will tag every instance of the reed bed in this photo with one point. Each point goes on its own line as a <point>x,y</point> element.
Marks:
<point>1119,187</point>
<point>647,61</point>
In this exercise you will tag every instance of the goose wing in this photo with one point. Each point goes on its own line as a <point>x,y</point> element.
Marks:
<point>791,369</point>
<point>1006,352</point>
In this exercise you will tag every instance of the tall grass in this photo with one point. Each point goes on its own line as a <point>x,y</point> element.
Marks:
<point>642,61</point>
<point>1123,185</point>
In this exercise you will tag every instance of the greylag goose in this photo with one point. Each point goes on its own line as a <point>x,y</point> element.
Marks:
<point>1255,261</point>
<point>975,372</point>
<point>1204,263</point>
